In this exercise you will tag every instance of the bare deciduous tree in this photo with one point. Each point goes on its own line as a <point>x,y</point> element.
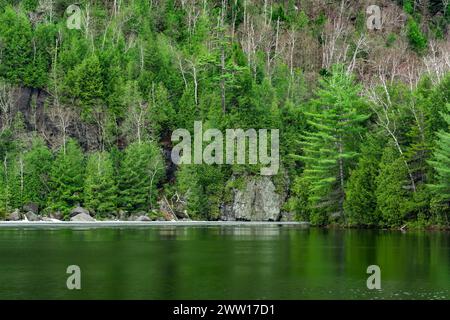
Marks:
<point>7,102</point>
<point>437,62</point>
<point>63,118</point>
<point>383,108</point>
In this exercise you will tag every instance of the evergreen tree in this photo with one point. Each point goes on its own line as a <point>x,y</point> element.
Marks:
<point>85,84</point>
<point>25,52</point>
<point>332,143</point>
<point>66,178</point>
<point>360,201</point>
<point>441,163</point>
<point>100,190</point>
<point>37,165</point>
<point>391,193</point>
<point>161,112</point>
<point>203,187</point>
<point>140,172</point>
<point>17,54</point>
<point>417,39</point>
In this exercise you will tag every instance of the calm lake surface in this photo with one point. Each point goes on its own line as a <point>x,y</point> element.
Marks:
<point>223,262</point>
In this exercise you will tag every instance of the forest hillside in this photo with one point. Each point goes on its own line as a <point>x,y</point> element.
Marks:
<point>90,93</point>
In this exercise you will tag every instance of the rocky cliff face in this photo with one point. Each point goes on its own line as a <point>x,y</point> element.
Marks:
<point>257,201</point>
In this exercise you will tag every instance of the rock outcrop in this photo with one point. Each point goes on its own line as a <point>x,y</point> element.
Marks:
<point>257,201</point>
<point>77,211</point>
<point>32,216</point>
<point>14,216</point>
<point>143,218</point>
<point>47,219</point>
<point>56,215</point>
<point>82,217</point>
<point>31,207</point>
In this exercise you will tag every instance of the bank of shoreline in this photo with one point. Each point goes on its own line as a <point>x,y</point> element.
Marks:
<point>107,224</point>
<point>24,224</point>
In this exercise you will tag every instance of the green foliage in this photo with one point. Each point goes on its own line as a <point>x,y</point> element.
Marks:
<point>25,52</point>
<point>86,84</point>
<point>15,36</point>
<point>140,172</point>
<point>37,166</point>
<point>30,5</point>
<point>100,189</point>
<point>360,202</point>
<point>408,6</point>
<point>391,193</point>
<point>137,71</point>
<point>203,187</point>
<point>441,163</point>
<point>161,114</point>
<point>391,40</point>
<point>331,145</point>
<point>417,40</point>
<point>11,185</point>
<point>66,178</point>
<point>299,203</point>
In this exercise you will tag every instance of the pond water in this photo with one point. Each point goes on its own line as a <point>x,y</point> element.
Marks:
<point>223,262</point>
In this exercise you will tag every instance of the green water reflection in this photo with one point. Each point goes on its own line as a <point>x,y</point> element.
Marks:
<point>248,262</point>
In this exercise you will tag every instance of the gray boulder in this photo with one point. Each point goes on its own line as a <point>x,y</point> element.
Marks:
<point>50,219</point>
<point>122,215</point>
<point>56,215</point>
<point>31,207</point>
<point>136,216</point>
<point>132,217</point>
<point>77,211</point>
<point>14,216</point>
<point>32,216</point>
<point>82,217</point>
<point>143,218</point>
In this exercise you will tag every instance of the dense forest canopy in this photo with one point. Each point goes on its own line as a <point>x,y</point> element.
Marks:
<point>86,114</point>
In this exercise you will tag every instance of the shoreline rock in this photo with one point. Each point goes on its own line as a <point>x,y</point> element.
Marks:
<point>78,210</point>
<point>14,216</point>
<point>82,217</point>
<point>31,207</point>
<point>32,216</point>
<point>258,200</point>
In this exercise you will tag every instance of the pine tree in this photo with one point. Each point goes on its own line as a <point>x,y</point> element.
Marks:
<point>17,54</point>
<point>161,112</point>
<point>331,145</point>
<point>140,172</point>
<point>416,38</point>
<point>66,178</point>
<point>203,187</point>
<point>12,164</point>
<point>37,165</point>
<point>391,193</point>
<point>85,83</point>
<point>25,52</point>
<point>441,163</point>
<point>360,201</point>
<point>100,190</point>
